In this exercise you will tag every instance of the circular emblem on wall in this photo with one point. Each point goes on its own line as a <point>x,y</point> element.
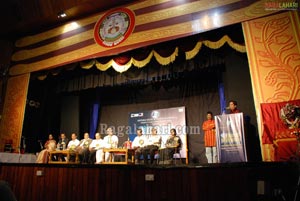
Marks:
<point>114,27</point>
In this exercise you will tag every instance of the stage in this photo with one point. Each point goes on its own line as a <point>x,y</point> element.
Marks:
<point>78,182</point>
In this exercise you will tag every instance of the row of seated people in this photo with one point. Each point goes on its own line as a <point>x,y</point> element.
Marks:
<point>86,148</point>
<point>149,145</point>
<point>91,151</point>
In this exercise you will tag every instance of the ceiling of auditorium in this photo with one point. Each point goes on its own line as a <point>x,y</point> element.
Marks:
<point>23,17</point>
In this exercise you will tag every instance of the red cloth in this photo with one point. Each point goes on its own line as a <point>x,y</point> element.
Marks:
<point>235,111</point>
<point>285,149</point>
<point>276,132</point>
<point>272,123</point>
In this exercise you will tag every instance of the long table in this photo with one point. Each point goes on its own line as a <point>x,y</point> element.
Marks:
<point>17,158</point>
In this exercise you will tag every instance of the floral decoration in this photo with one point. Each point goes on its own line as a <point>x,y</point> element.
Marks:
<point>290,115</point>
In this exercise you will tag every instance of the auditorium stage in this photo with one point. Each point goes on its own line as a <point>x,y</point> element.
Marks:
<point>78,182</point>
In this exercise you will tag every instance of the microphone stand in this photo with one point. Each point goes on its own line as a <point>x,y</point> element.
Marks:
<point>40,144</point>
<point>19,150</point>
<point>24,144</point>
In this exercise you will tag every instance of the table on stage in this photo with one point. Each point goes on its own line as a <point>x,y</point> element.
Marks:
<point>120,151</point>
<point>17,158</point>
<point>65,153</point>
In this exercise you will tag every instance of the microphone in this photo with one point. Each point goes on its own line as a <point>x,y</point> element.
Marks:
<point>227,108</point>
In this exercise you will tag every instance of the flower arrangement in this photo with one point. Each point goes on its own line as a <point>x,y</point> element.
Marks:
<point>290,114</point>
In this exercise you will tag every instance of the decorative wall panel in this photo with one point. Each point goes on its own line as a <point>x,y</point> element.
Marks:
<point>156,21</point>
<point>14,108</point>
<point>273,48</point>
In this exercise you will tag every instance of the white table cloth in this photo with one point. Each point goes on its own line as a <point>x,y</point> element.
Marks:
<point>17,158</point>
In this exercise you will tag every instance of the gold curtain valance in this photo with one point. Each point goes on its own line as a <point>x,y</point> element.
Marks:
<point>214,45</point>
<point>163,60</point>
<point>138,63</point>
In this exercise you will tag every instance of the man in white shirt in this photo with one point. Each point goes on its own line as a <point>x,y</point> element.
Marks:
<point>138,143</point>
<point>153,144</point>
<point>110,142</point>
<point>96,150</point>
<point>72,145</point>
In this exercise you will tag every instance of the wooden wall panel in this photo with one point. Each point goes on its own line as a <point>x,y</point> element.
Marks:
<point>105,182</point>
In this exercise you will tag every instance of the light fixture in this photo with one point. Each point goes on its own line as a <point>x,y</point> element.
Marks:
<point>61,14</point>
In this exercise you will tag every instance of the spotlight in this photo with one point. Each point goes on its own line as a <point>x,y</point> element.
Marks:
<point>61,14</point>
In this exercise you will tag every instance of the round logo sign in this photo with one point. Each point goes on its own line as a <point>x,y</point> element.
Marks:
<point>114,27</point>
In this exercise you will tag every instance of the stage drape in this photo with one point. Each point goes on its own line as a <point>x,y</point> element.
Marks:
<point>182,82</point>
<point>44,119</point>
<point>94,119</point>
<point>74,78</point>
<point>223,103</point>
<point>276,132</point>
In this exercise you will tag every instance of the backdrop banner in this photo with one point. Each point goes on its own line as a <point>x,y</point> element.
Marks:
<point>230,138</point>
<point>163,120</point>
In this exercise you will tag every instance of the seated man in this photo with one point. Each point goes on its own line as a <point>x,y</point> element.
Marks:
<point>96,150</point>
<point>62,145</point>
<point>63,141</point>
<point>110,142</point>
<point>153,144</point>
<point>72,146</point>
<point>138,144</point>
<point>173,145</point>
<point>83,148</point>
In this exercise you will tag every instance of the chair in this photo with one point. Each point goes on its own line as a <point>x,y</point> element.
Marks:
<point>156,157</point>
<point>176,156</point>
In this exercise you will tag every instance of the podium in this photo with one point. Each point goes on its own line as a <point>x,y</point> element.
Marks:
<point>230,138</point>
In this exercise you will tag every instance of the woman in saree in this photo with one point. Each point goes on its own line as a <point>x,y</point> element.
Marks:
<point>50,145</point>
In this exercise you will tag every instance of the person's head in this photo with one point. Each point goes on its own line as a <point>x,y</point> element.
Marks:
<point>173,132</point>
<point>209,115</point>
<point>97,136</point>
<point>154,131</point>
<point>50,137</point>
<point>109,131</point>
<point>86,135</point>
<point>232,105</point>
<point>62,136</point>
<point>139,131</point>
<point>74,136</point>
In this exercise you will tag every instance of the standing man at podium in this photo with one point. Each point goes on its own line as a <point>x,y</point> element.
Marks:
<point>208,127</point>
<point>233,107</point>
